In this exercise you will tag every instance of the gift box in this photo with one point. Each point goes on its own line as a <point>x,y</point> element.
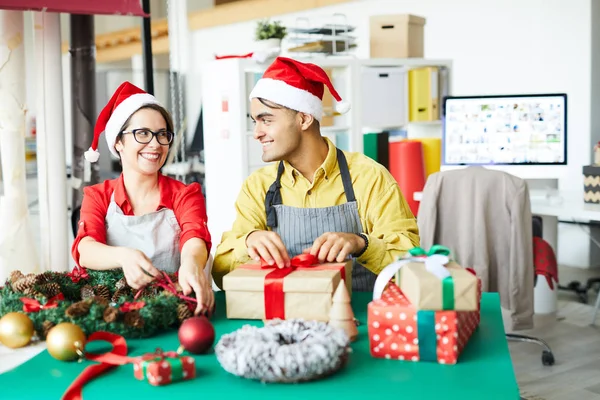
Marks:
<point>431,281</point>
<point>397,330</point>
<point>164,368</point>
<point>305,290</point>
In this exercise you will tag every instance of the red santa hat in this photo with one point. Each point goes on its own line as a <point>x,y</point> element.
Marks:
<point>298,86</point>
<point>126,100</point>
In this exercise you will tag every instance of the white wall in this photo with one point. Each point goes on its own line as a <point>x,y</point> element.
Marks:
<point>497,47</point>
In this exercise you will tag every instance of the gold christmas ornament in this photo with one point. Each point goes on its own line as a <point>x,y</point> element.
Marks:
<point>16,330</point>
<point>65,341</point>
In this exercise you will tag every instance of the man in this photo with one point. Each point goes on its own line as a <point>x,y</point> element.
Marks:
<point>315,198</point>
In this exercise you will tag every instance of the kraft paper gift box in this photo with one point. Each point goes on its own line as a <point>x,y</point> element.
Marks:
<point>255,291</point>
<point>164,368</point>
<point>397,330</point>
<point>427,291</point>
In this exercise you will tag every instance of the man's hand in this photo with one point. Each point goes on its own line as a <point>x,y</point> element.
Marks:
<point>336,246</point>
<point>268,246</point>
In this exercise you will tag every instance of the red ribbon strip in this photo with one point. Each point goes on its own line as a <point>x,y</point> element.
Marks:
<point>117,356</point>
<point>77,274</point>
<point>166,283</point>
<point>32,305</point>
<point>248,55</point>
<point>273,292</point>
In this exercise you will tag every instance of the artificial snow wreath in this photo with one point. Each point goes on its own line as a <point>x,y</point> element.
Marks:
<point>96,301</point>
<point>287,351</point>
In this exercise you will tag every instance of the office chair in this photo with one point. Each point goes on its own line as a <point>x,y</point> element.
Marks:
<point>455,202</point>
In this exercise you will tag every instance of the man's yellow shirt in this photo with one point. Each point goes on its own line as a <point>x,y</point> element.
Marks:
<point>384,214</point>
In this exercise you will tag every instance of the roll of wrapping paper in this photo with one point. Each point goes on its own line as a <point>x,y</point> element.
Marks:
<point>432,154</point>
<point>408,168</point>
<point>370,145</point>
<point>376,146</point>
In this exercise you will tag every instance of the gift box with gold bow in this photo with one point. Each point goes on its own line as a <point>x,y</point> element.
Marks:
<point>430,280</point>
<point>162,368</point>
<point>304,290</point>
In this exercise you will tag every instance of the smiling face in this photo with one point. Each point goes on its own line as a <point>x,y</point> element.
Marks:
<point>145,159</point>
<point>278,129</point>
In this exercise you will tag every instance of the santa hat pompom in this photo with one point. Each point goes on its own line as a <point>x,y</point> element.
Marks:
<point>92,155</point>
<point>342,107</point>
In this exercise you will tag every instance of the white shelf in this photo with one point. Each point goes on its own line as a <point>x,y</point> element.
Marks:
<point>334,129</point>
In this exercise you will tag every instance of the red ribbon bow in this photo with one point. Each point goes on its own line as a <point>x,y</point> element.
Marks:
<point>32,305</point>
<point>78,274</point>
<point>132,306</point>
<point>273,292</point>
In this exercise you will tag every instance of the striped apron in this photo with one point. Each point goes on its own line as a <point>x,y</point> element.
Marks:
<point>300,227</point>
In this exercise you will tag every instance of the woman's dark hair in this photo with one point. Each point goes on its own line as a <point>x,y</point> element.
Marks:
<point>163,111</point>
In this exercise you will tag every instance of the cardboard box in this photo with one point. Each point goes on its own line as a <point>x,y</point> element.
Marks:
<point>397,36</point>
<point>398,331</point>
<point>307,291</point>
<point>425,291</point>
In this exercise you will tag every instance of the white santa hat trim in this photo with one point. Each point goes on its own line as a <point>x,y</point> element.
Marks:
<point>288,96</point>
<point>122,113</point>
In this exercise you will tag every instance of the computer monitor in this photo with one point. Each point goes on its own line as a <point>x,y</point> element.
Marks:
<point>505,130</point>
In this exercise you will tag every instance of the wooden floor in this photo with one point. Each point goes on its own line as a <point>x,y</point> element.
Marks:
<point>576,347</point>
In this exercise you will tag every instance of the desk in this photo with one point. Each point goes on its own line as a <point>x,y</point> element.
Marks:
<point>484,371</point>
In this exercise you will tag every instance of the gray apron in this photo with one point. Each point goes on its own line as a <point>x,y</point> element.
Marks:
<point>155,234</point>
<point>299,227</point>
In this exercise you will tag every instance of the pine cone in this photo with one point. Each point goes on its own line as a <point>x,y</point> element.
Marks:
<point>50,289</point>
<point>122,284</point>
<point>100,300</point>
<point>46,326</point>
<point>15,276</point>
<point>32,292</point>
<point>102,291</point>
<point>183,312</point>
<point>118,294</point>
<point>46,277</point>
<point>149,292</point>
<point>87,292</point>
<point>134,319</point>
<point>25,282</point>
<point>110,314</point>
<point>78,309</point>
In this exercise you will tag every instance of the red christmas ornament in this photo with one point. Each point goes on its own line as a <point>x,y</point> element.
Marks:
<point>196,334</point>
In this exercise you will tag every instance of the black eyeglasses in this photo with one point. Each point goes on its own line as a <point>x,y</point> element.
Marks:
<point>145,136</point>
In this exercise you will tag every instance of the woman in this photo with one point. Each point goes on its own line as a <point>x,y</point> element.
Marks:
<point>143,221</point>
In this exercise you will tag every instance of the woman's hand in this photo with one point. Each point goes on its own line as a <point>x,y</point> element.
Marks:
<point>137,268</point>
<point>192,278</point>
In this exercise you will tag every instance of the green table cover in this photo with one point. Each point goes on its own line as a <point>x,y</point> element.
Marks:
<point>484,371</point>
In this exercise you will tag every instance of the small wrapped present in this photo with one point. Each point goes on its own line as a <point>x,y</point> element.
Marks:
<point>304,290</point>
<point>431,281</point>
<point>164,368</point>
<point>398,330</point>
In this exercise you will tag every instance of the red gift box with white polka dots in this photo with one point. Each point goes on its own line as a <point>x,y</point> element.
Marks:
<point>164,370</point>
<point>397,330</point>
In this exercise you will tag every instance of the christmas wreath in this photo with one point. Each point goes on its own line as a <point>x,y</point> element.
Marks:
<point>96,301</point>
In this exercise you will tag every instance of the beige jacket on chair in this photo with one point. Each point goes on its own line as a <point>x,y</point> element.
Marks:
<point>484,217</point>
